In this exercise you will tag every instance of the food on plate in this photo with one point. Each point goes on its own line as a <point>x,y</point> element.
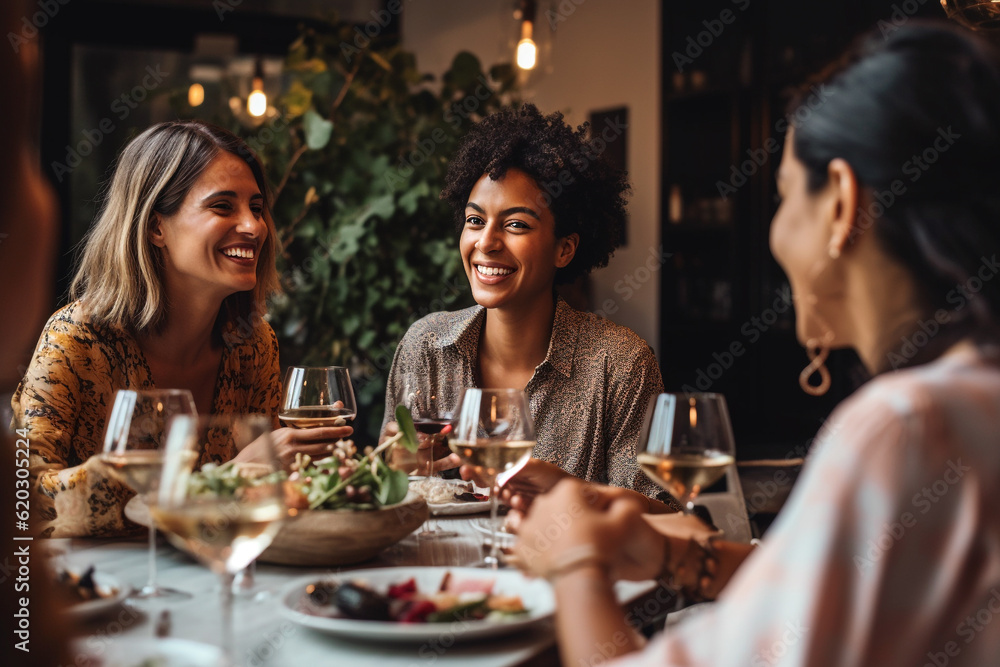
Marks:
<point>75,588</point>
<point>437,491</point>
<point>463,600</point>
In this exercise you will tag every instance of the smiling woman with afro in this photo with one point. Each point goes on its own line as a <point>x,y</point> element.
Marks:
<point>538,205</point>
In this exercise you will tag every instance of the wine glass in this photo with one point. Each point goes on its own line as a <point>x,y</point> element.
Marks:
<point>224,526</point>
<point>133,454</point>
<point>494,434</point>
<point>686,444</point>
<point>433,415</point>
<point>317,396</point>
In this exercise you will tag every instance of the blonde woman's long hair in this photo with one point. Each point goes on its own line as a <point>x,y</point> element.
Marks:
<point>119,280</point>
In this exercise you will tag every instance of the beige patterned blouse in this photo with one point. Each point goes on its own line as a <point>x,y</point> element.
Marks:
<point>588,397</point>
<point>65,396</point>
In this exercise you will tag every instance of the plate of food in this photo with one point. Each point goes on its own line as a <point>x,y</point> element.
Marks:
<point>450,497</point>
<point>417,604</point>
<point>89,594</point>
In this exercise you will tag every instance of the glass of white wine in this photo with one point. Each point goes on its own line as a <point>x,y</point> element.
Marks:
<point>495,435</point>
<point>133,454</point>
<point>225,526</point>
<point>686,444</point>
<point>317,396</point>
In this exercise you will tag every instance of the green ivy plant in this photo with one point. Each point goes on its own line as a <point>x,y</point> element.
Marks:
<point>357,155</point>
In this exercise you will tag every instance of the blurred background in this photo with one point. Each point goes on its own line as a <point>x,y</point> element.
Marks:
<point>356,106</point>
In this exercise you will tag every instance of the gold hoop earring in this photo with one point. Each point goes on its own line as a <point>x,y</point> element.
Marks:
<point>818,352</point>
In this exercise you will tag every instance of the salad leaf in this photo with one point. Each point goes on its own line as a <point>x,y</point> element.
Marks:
<point>405,422</point>
<point>395,484</point>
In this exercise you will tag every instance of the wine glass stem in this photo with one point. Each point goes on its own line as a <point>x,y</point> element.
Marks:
<point>151,583</point>
<point>227,618</point>
<point>492,559</point>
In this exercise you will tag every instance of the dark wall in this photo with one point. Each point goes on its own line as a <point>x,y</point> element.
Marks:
<point>726,321</point>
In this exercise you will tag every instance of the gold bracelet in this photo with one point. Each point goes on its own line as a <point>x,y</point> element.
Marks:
<point>573,559</point>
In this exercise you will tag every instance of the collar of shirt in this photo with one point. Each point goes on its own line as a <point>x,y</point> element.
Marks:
<point>464,332</point>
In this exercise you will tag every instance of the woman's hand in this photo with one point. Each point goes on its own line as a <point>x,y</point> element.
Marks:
<point>535,478</point>
<point>577,516</point>
<point>316,442</point>
<point>415,463</point>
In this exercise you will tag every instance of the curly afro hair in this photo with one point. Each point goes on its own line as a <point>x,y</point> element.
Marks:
<point>584,192</point>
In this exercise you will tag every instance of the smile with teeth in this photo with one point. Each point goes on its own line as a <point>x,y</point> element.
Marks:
<point>492,270</point>
<point>242,253</point>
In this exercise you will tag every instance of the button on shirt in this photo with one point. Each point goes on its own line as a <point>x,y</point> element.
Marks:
<point>588,396</point>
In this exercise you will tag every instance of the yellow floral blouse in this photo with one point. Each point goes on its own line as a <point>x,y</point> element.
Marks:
<point>64,399</point>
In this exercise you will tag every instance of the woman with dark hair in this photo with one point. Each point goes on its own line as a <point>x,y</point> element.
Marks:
<point>536,207</point>
<point>887,551</point>
<point>169,293</point>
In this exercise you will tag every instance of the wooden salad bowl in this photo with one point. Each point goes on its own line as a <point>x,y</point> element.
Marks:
<point>344,537</point>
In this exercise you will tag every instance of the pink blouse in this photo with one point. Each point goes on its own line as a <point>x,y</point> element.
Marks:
<point>888,550</point>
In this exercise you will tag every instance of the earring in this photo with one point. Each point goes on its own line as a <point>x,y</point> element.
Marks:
<point>818,352</point>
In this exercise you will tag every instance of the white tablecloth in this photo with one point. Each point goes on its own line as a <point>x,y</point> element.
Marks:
<point>264,637</point>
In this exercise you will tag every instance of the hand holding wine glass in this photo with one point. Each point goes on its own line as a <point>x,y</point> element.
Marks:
<point>317,402</point>
<point>133,453</point>
<point>226,527</point>
<point>495,435</point>
<point>686,446</point>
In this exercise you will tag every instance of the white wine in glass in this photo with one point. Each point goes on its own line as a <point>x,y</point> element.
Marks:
<point>495,434</point>
<point>317,396</point>
<point>686,444</point>
<point>226,529</point>
<point>133,453</point>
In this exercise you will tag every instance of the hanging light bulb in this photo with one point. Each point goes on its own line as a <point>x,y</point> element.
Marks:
<point>527,51</point>
<point>257,101</point>
<point>196,94</point>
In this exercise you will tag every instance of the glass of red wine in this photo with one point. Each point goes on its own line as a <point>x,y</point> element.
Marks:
<point>433,419</point>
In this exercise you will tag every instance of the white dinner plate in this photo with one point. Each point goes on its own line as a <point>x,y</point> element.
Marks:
<point>136,651</point>
<point>457,508</point>
<point>536,594</point>
<point>109,586</point>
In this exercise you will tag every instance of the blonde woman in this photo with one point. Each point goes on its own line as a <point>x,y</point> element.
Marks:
<point>169,293</point>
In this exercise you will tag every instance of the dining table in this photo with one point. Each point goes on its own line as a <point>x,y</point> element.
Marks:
<point>264,635</point>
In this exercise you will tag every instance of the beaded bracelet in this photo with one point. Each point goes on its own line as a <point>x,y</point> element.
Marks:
<point>707,567</point>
